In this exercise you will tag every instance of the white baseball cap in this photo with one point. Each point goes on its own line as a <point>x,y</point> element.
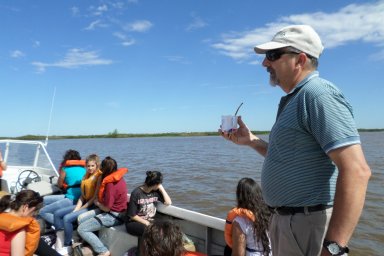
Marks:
<point>301,37</point>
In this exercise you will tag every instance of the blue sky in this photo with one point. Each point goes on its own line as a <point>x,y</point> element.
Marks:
<point>172,66</point>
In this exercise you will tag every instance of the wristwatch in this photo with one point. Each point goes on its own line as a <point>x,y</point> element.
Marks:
<point>334,248</point>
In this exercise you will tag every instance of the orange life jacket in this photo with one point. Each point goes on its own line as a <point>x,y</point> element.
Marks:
<point>88,185</point>
<point>232,214</point>
<point>188,253</point>
<point>113,177</point>
<point>12,223</point>
<point>1,171</point>
<point>70,163</point>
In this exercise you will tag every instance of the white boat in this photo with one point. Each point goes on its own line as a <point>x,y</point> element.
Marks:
<point>30,167</point>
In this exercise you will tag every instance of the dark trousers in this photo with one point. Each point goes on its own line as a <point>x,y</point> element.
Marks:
<point>135,228</point>
<point>44,249</point>
<point>227,251</point>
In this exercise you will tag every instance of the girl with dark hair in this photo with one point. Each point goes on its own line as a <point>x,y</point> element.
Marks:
<point>247,224</point>
<point>71,172</point>
<point>164,238</point>
<point>112,200</point>
<point>19,230</point>
<point>142,203</point>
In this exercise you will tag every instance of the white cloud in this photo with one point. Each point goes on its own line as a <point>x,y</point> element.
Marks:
<point>125,40</point>
<point>99,10</point>
<point>138,26</point>
<point>352,23</point>
<point>95,24</point>
<point>74,58</point>
<point>128,42</point>
<point>17,54</point>
<point>75,10</point>
<point>118,5</point>
<point>197,23</point>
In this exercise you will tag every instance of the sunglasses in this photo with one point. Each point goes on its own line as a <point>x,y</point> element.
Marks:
<point>273,55</point>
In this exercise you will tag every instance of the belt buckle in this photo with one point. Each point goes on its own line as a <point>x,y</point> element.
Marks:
<point>276,211</point>
<point>273,210</point>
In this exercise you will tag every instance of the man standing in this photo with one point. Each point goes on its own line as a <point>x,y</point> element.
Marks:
<point>315,175</point>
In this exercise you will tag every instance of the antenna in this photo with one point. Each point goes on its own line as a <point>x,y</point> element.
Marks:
<point>50,117</point>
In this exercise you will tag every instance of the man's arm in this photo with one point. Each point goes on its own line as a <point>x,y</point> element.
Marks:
<point>351,188</point>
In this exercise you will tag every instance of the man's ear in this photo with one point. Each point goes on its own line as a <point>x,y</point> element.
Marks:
<point>302,59</point>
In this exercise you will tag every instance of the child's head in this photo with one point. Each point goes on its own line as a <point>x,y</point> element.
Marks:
<point>153,178</point>
<point>248,193</point>
<point>27,201</point>
<point>92,163</point>
<point>108,166</point>
<point>72,154</point>
<point>162,238</point>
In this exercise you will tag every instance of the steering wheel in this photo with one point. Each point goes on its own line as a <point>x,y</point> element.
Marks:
<point>25,178</point>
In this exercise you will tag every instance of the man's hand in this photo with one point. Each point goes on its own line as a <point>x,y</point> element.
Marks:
<point>240,136</point>
<point>244,136</point>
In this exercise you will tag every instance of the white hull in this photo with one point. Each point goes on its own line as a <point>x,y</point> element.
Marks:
<point>206,232</point>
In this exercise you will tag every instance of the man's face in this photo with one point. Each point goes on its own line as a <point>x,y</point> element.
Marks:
<point>280,66</point>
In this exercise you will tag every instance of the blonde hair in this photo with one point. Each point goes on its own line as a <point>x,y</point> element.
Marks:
<point>93,157</point>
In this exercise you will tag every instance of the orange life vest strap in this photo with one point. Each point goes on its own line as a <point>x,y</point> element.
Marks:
<point>11,223</point>
<point>113,177</point>
<point>74,163</point>
<point>232,214</point>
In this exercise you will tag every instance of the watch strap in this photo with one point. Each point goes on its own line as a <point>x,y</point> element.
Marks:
<point>342,249</point>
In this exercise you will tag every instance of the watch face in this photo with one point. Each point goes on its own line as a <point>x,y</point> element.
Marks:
<point>333,248</point>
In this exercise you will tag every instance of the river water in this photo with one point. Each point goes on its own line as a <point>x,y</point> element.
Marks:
<point>201,174</point>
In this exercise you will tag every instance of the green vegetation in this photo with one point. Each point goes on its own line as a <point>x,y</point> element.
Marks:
<point>115,134</point>
<point>371,130</point>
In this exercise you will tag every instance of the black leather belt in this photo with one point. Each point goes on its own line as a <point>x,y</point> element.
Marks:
<point>285,210</point>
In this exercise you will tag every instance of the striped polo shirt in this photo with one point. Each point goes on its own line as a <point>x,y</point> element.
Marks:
<point>315,120</point>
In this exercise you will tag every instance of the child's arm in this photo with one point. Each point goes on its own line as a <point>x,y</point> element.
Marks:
<point>167,198</point>
<point>60,181</point>
<point>101,206</point>
<point>79,204</point>
<point>140,220</point>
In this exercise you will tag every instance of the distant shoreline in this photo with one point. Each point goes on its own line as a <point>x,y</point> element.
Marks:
<point>115,134</point>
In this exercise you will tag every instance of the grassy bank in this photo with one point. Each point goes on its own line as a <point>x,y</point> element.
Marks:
<point>116,134</point>
<point>121,135</point>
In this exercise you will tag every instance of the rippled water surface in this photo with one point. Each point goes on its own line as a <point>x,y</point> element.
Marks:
<point>201,173</point>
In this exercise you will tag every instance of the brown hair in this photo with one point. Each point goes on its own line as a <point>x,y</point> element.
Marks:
<point>249,196</point>
<point>108,166</point>
<point>24,197</point>
<point>162,238</point>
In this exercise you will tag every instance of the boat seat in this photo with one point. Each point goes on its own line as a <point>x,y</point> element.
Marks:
<point>44,187</point>
<point>118,240</point>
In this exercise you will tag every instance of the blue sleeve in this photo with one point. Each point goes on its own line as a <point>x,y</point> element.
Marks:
<point>331,121</point>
